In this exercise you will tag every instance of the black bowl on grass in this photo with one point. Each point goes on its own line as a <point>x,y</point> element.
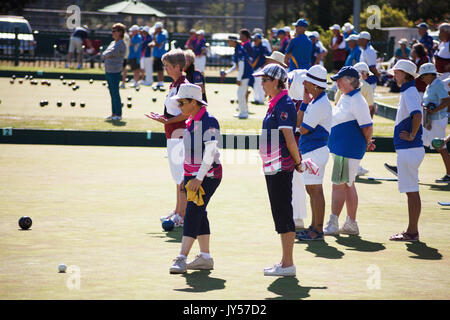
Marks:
<point>59,104</point>
<point>82,104</point>
<point>72,103</point>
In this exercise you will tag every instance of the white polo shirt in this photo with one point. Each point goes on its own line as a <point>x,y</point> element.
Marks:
<point>410,104</point>
<point>350,115</point>
<point>317,119</point>
<point>369,56</point>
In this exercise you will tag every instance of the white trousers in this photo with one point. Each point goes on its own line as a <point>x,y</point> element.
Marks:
<point>298,196</point>
<point>258,90</point>
<point>242,97</point>
<point>200,63</point>
<point>147,64</point>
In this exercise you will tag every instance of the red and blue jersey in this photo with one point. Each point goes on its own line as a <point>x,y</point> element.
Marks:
<point>240,54</point>
<point>272,144</point>
<point>201,129</point>
<point>259,59</point>
<point>199,45</point>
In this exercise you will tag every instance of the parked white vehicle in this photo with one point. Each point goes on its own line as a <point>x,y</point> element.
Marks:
<point>27,44</point>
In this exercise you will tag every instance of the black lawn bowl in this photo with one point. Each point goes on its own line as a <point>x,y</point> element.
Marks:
<point>129,105</point>
<point>154,99</point>
<point>42,103</point>
<point>59,104</point>
<point>129,98</point>
<point>82,104</point>
<point>25,223</point>
<point>72,103</point>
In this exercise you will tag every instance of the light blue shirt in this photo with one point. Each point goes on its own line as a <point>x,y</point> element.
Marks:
<point>159,52</point>
<point>434,93</point>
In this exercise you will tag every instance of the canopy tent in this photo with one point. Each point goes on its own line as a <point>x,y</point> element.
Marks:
<point>132,7</point>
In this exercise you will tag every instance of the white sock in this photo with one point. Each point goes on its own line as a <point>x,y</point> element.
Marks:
<point>182,256</point>
<point>205,255</point>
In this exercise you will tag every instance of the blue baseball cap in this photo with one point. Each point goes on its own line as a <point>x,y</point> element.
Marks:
<point>257,36</point>
<point>301,23</point>
<point>422,25</point>
<point>348,71</point>
<point>281,31</point>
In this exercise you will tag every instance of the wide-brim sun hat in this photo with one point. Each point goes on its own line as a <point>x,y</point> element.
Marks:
<point>405,66</point>
<point>427,68</point>
<point>190,91</point>
<point>278,57</point>
<point>272,70</point>
<point>317,75</point>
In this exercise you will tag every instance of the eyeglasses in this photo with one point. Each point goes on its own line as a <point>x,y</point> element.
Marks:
<point>115,30</point>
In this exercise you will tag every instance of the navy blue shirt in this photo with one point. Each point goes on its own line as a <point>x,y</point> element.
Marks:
<point>259,58</point>
<point>300,47</point>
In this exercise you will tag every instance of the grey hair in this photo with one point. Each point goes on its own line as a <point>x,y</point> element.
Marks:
<point>354,82</point>
<point>190,56</point>
<point>175,57</point>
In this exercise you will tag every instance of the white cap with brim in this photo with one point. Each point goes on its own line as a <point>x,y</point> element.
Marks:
<point>405,66</point>
<point>317,75</point>
<point>362,66</point>
<point>158,25</point>
<point>335,27</point>
<point>364,35</point>
<point>134,28</point>
<point>190,91</point>
<point>353,37</point>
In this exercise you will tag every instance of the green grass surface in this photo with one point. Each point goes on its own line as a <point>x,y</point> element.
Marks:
<point>20,108</point>
<point>98,208</point>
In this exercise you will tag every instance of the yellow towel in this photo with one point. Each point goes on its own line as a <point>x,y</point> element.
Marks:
<point>196,197</point>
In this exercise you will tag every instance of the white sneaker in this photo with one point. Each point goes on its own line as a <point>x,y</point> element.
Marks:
<point>349,227</point>
<point>362,171</point>
<point>299,224</point>
<point>332,227</point>
<point>147,83</point>
<point>278,271</point>
<point>116,118</point>
<point>179,266</point>
<point>200,263</point>
<point>177,220</point>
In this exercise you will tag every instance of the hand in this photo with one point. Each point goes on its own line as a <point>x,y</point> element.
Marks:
<point>299,167</point>
<point>156,117</point>
<point>238,83</point>
<point>405,135</point>
<point>195,184</point>
<point>306,97</point>
<point>431,111</point>
<point>371,146</point>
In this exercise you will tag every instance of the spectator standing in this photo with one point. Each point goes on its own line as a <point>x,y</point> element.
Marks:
<point>113,57</point>
<point>298,53</point>
<point>146,57</point>
<point>191,41</point>
<point>348,29</point>
<point>369,56</point>
<point>134,54</point>
<point>259,60</point>
<point>442,56</point>
<point>338,48</point>
<point>126,39</point>
<point>403,52</point>
<point>193,75</point>
<point>354,51</point>
<point>200,51</point>
<point>318,51</point>
<point>159,49</point>
<point>425,38</point>
<point>419,57</point>
<point>284,40</point>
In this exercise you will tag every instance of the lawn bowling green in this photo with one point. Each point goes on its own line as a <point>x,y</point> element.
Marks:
<point>98,208</point>
<point>20,109</point>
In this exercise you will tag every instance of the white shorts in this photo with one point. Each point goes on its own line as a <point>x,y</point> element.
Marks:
<point>200,63</point>
<point>175,153</point>
<point>437,131</point>
<point>408,162</point>
<point>353,165</point>
<point>76,44</point>
<point>320,157</point>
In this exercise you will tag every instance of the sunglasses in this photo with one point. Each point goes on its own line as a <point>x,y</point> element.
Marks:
<point>182,103</point>
<point>267,79</point>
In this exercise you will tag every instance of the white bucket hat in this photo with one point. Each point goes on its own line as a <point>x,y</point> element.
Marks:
<point>278,57</point>
<point>147,29</point>
<point>317,75</point>
<point>158,25</point>
<point>134,28</point>
<point>362,66</point>
<point>405,66</point>
<point>190,91</point>
<point>427,68</point>
<point>335,27</point>
<point>347,26</point>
